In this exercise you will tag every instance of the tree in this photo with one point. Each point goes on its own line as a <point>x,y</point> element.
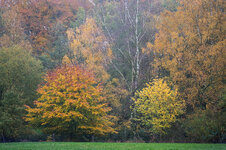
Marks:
<point>12,32</point>
<point>71,102</point>
<point>189,49</point>
<point>20,74</point>
<point>206,126</point>
<point>91,48</point>
<point>126,25</point>
<point>159,106</point>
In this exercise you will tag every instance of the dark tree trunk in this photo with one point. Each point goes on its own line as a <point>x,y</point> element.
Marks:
<point>3,138</point>
<point>53,137</point>
<point>92,138</point>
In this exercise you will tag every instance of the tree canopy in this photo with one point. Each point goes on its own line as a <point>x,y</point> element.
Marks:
<point>19,77</point>
<point>71,101</point>
<point>159,106</point>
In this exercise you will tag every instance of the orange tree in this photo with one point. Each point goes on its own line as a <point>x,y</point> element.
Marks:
<point>71,102</point>
<point>190,48</point>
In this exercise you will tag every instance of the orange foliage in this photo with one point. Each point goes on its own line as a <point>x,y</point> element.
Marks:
<point>37,18</point>
<point>71,101</point>
<point>190,45</point>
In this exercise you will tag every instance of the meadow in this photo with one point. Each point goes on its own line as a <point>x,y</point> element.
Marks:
<point>108,146</point>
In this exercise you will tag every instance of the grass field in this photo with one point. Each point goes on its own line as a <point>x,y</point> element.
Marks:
<point>108,146</point>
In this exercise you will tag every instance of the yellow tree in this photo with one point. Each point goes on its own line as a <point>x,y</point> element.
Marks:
<point>158,105</point>
<point>71,102</point>
<point>91,48</point>
<point>190,48</point>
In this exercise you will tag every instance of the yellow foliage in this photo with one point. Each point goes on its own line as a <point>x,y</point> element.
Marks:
<point>158,105</point>
<point>91,48</point>
<point>66,60</point>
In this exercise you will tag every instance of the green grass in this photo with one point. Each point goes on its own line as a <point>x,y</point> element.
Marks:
<point>108,146</point>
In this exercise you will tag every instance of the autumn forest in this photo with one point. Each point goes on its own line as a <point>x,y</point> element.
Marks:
<point>112,70</point>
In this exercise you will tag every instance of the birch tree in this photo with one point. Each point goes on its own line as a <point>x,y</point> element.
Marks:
<point>126,25</point>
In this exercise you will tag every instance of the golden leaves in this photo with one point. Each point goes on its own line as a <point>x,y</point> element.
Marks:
<point>189,46</point>
<point>66,60</point>
<point>70,94</point>
<point>91,48</point>
<point>159,105</point>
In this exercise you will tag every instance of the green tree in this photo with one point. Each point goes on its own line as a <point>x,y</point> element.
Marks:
<point>206,126</point>
<point>80,18</point>
<point>20,74</point>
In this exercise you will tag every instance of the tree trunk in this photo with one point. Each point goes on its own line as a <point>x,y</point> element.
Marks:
<point>92,138</point>
<point>3,138</point>
<point>53,136</point>
<point>137,47</point>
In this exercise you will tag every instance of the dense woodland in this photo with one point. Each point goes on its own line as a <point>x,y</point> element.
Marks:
<point>112,70</point>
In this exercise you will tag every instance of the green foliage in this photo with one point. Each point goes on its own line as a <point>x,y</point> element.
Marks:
<point>20,74</point>
<point>80,18</point>
<point>205,125</point>
<point>170,5</point>
<point>47,62</point>
<point>59,46</point>
<point>159,106</point>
